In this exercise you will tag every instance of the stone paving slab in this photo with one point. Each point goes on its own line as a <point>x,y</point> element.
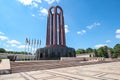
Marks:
<point>105,71</point>
<point>5,66</point>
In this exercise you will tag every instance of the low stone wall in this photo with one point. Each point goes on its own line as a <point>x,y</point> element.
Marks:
<point>83,58</point>
<point>74,58</point>
<point>18,56</point>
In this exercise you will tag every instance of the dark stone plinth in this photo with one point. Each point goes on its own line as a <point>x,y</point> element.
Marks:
<point>12,57</point>
<point>54,52</point>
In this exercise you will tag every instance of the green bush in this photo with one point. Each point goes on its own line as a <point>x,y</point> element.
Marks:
<point>114,55</point>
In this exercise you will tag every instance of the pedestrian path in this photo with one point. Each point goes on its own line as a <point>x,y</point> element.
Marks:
<point>104,71</point>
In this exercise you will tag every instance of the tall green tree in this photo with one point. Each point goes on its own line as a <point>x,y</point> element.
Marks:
<point>116,51</point>
<point>95,52</point>
<point>2,50</point>
<point>117,48</point>
<point>89,50</point>
<point>103,52</point>
<point>80,51</point>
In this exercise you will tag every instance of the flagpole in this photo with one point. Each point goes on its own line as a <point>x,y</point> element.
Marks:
<point>40,43</point>
<point>34,46</point>
<point>31,48</point>
<point>39,49</point>
<point>25,52</point>
<point>26,41</point>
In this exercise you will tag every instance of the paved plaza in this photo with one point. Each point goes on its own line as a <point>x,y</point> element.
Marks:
<point>104,71</point>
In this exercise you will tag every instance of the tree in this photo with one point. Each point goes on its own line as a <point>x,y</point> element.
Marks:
<point>2,50</point>
<point>103,52</point>
<point>89,50</point>
<point>80,51</point>
<point>95,52</point>
<point>117,48</point>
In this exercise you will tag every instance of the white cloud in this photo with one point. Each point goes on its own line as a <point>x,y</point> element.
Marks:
<point>13,45</point>
<point>25,2</point>
<point>118,36</point>
<point>57,1</point>
<point>8,49</point>
<point>35,4</point>
<point>117,31</point>
<point>93,25</point>
<point>13,42</point>
<point>81,32</point>
<point>3,38</point>
<point>100,45</point>
<point>21,46</point>
<point>50,1</point>
<point>108,41</point>
<point>30,2</point>
<point>33,15</point>
<point>66,29</point>
<point>39,1</point>
<point>43,11</point>
<point>1,33</point>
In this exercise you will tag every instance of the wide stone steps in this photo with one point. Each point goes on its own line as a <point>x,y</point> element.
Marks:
<point>24,66</point>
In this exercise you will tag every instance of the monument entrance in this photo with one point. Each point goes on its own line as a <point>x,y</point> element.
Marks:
<point>55,37</point>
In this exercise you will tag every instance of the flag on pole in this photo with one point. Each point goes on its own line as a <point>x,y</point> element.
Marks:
<point>34,45</point>
<point>32,42</point>
<point>31,45</point>
<point>29,42</point>
<point>26,41</point>
<point>40,42</point>
<point>35,42</point>
<point>31,49</point>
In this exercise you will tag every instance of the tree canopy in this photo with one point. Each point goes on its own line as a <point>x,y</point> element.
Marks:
<point>80,51</point>
<point>89,50</point>
<point>2,50</point>
<point>117,48</point>
<point>104,51</point>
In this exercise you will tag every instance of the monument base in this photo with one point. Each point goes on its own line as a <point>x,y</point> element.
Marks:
<point>54,52</point>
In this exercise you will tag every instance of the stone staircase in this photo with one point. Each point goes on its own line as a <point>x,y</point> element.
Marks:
<point>23,66</point>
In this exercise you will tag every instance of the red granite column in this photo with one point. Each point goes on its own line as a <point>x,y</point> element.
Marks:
<point>48,30</point>
<point>64,43</point>
<point>55,26</point>
<point>51,29</point>
<point>59,29</point>
<point>62,30</point>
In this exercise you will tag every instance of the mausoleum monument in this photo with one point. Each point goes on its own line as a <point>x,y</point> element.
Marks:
<point>55,37</point>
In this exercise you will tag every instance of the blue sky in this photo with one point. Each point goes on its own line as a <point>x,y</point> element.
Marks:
<point>88,23</point>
